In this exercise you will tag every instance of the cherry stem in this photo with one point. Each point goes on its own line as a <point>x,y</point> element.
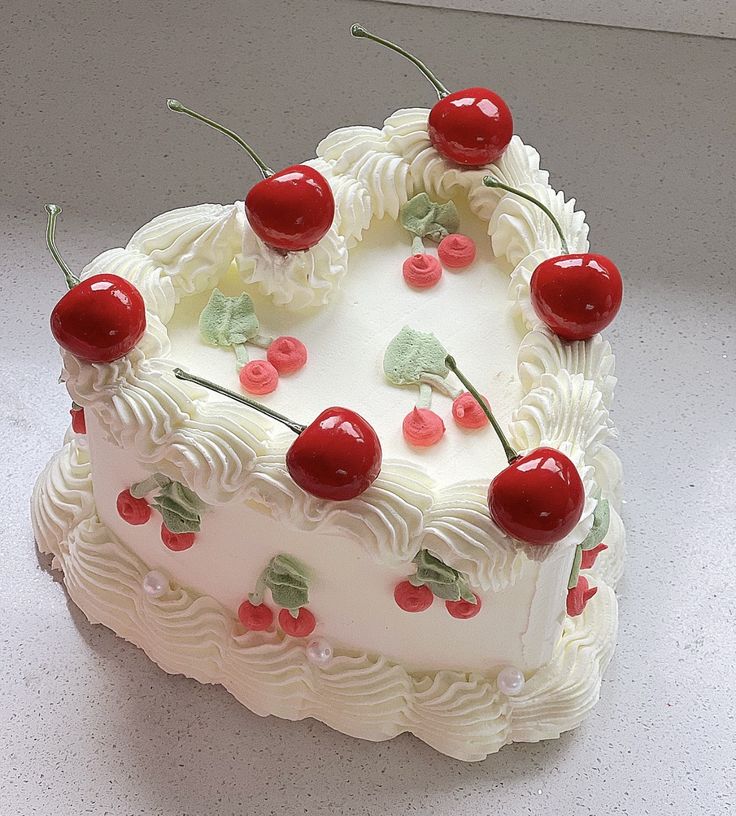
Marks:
<point>180,374</point>
<point>177,107</point>
<point>53,211</point>
<point>357,30</point>
<point>489,181</point>
<point>511,454</point>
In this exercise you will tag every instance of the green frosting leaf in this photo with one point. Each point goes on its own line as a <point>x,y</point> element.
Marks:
<point>411,354</point>
<point>445,582</point>
<point>423,217</point>
<point>180,507</point>
<point>228,321</point>
<point>287,579</point>
<point>601,520</point>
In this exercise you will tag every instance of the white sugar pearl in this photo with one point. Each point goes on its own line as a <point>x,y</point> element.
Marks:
<point>510,681</point>
<point>155,584</point>
<point>319,652</point>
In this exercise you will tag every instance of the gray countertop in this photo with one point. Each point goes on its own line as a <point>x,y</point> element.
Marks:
<point>639,126</point>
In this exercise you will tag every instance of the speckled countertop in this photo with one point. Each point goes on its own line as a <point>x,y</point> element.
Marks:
<point>640,127</point>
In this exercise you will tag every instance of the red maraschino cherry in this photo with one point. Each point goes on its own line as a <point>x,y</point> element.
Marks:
<point>576,294</point>
<point>99,319</point>
<point>337,456</point>
<point>539,497</point>
<point>290,210</point>
<point>471,127</point>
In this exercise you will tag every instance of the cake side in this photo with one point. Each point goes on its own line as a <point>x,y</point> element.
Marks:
<point>142,420</point>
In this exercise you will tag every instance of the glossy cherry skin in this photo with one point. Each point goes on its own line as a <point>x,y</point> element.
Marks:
<point>337,457</point>
<point>100,319</point>
<point>292,209</point>
<point>538,498</point>
<point>471,127</point>
<point>577,295</point>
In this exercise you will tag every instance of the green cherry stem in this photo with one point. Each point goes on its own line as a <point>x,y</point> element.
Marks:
<point>180,374</point>
<point>357,30</point>
<point>53,211</point>
<point>489,181</point>
<point>177,107</point>
<point>511,454</point>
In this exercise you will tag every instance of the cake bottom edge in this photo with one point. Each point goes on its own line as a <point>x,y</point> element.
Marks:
<point>463,715</point>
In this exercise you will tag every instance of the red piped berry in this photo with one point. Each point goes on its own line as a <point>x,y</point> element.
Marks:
<point>287,354</point>
<point>176,541</point>
<point>471,127</point>
<point>300,626</point>
<point>422,428</point>
<point>412,598</point>
<point>290,210</point>
<point>259,377</point>
<point>456,251</point>
<point>79,423</point>
<point>576,295</point>
<point>463,609</point>
<point>589,556</point>
<point>256,617</point>
<point>134,511</point>
<point>422,271</point>
<point>467,413</point>
<point>578,597</point>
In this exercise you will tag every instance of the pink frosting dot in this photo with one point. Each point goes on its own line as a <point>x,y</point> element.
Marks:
<point>467,413</point>
<point>423,428</point>
<point>422,271</point>
<point>456,251</point>
<point>259,377</point>
<point>287,354</point>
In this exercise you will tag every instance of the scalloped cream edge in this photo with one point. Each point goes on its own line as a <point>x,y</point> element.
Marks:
<point>463,715</point>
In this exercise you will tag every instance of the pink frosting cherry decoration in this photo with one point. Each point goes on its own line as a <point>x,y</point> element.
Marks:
<point>177,542</point>
<point>421,270</point>
<point>287,355</point>
<point>412,598</point>
<point>467,413</point>
<point>456,251</point>
<point>79,423</point>
<point>134,511</point>
<point>422,428</point>
<point>462,609</point>
<point>256,617</point>
<point>300,626</point>
<point>589,556</point>
<point>578,597</point>
<point>259,377</point>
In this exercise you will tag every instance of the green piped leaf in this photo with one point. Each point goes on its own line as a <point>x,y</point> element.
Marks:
<point>411,354</point>
<point>445,582</point>
<point>575,572</point>
<point>288,581</point>
<point>601,520</point>
<point>180,507</point>
<point>228,321</point>
<point>423,217</point>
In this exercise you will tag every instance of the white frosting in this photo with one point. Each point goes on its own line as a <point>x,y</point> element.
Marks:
<point>141,419</point>
<point>462,714</point>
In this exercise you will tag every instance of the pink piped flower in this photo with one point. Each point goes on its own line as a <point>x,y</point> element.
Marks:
<point>422,271</point>
<point>287,354</point>
<point>422,428</point>
<point>578,597</point>
<point>456,251</point>
<point>589,556</point>
<point>259,377</point>
<point>467,413</point>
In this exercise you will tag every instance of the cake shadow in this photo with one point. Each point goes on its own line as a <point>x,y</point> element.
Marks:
<point>193,749</point>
